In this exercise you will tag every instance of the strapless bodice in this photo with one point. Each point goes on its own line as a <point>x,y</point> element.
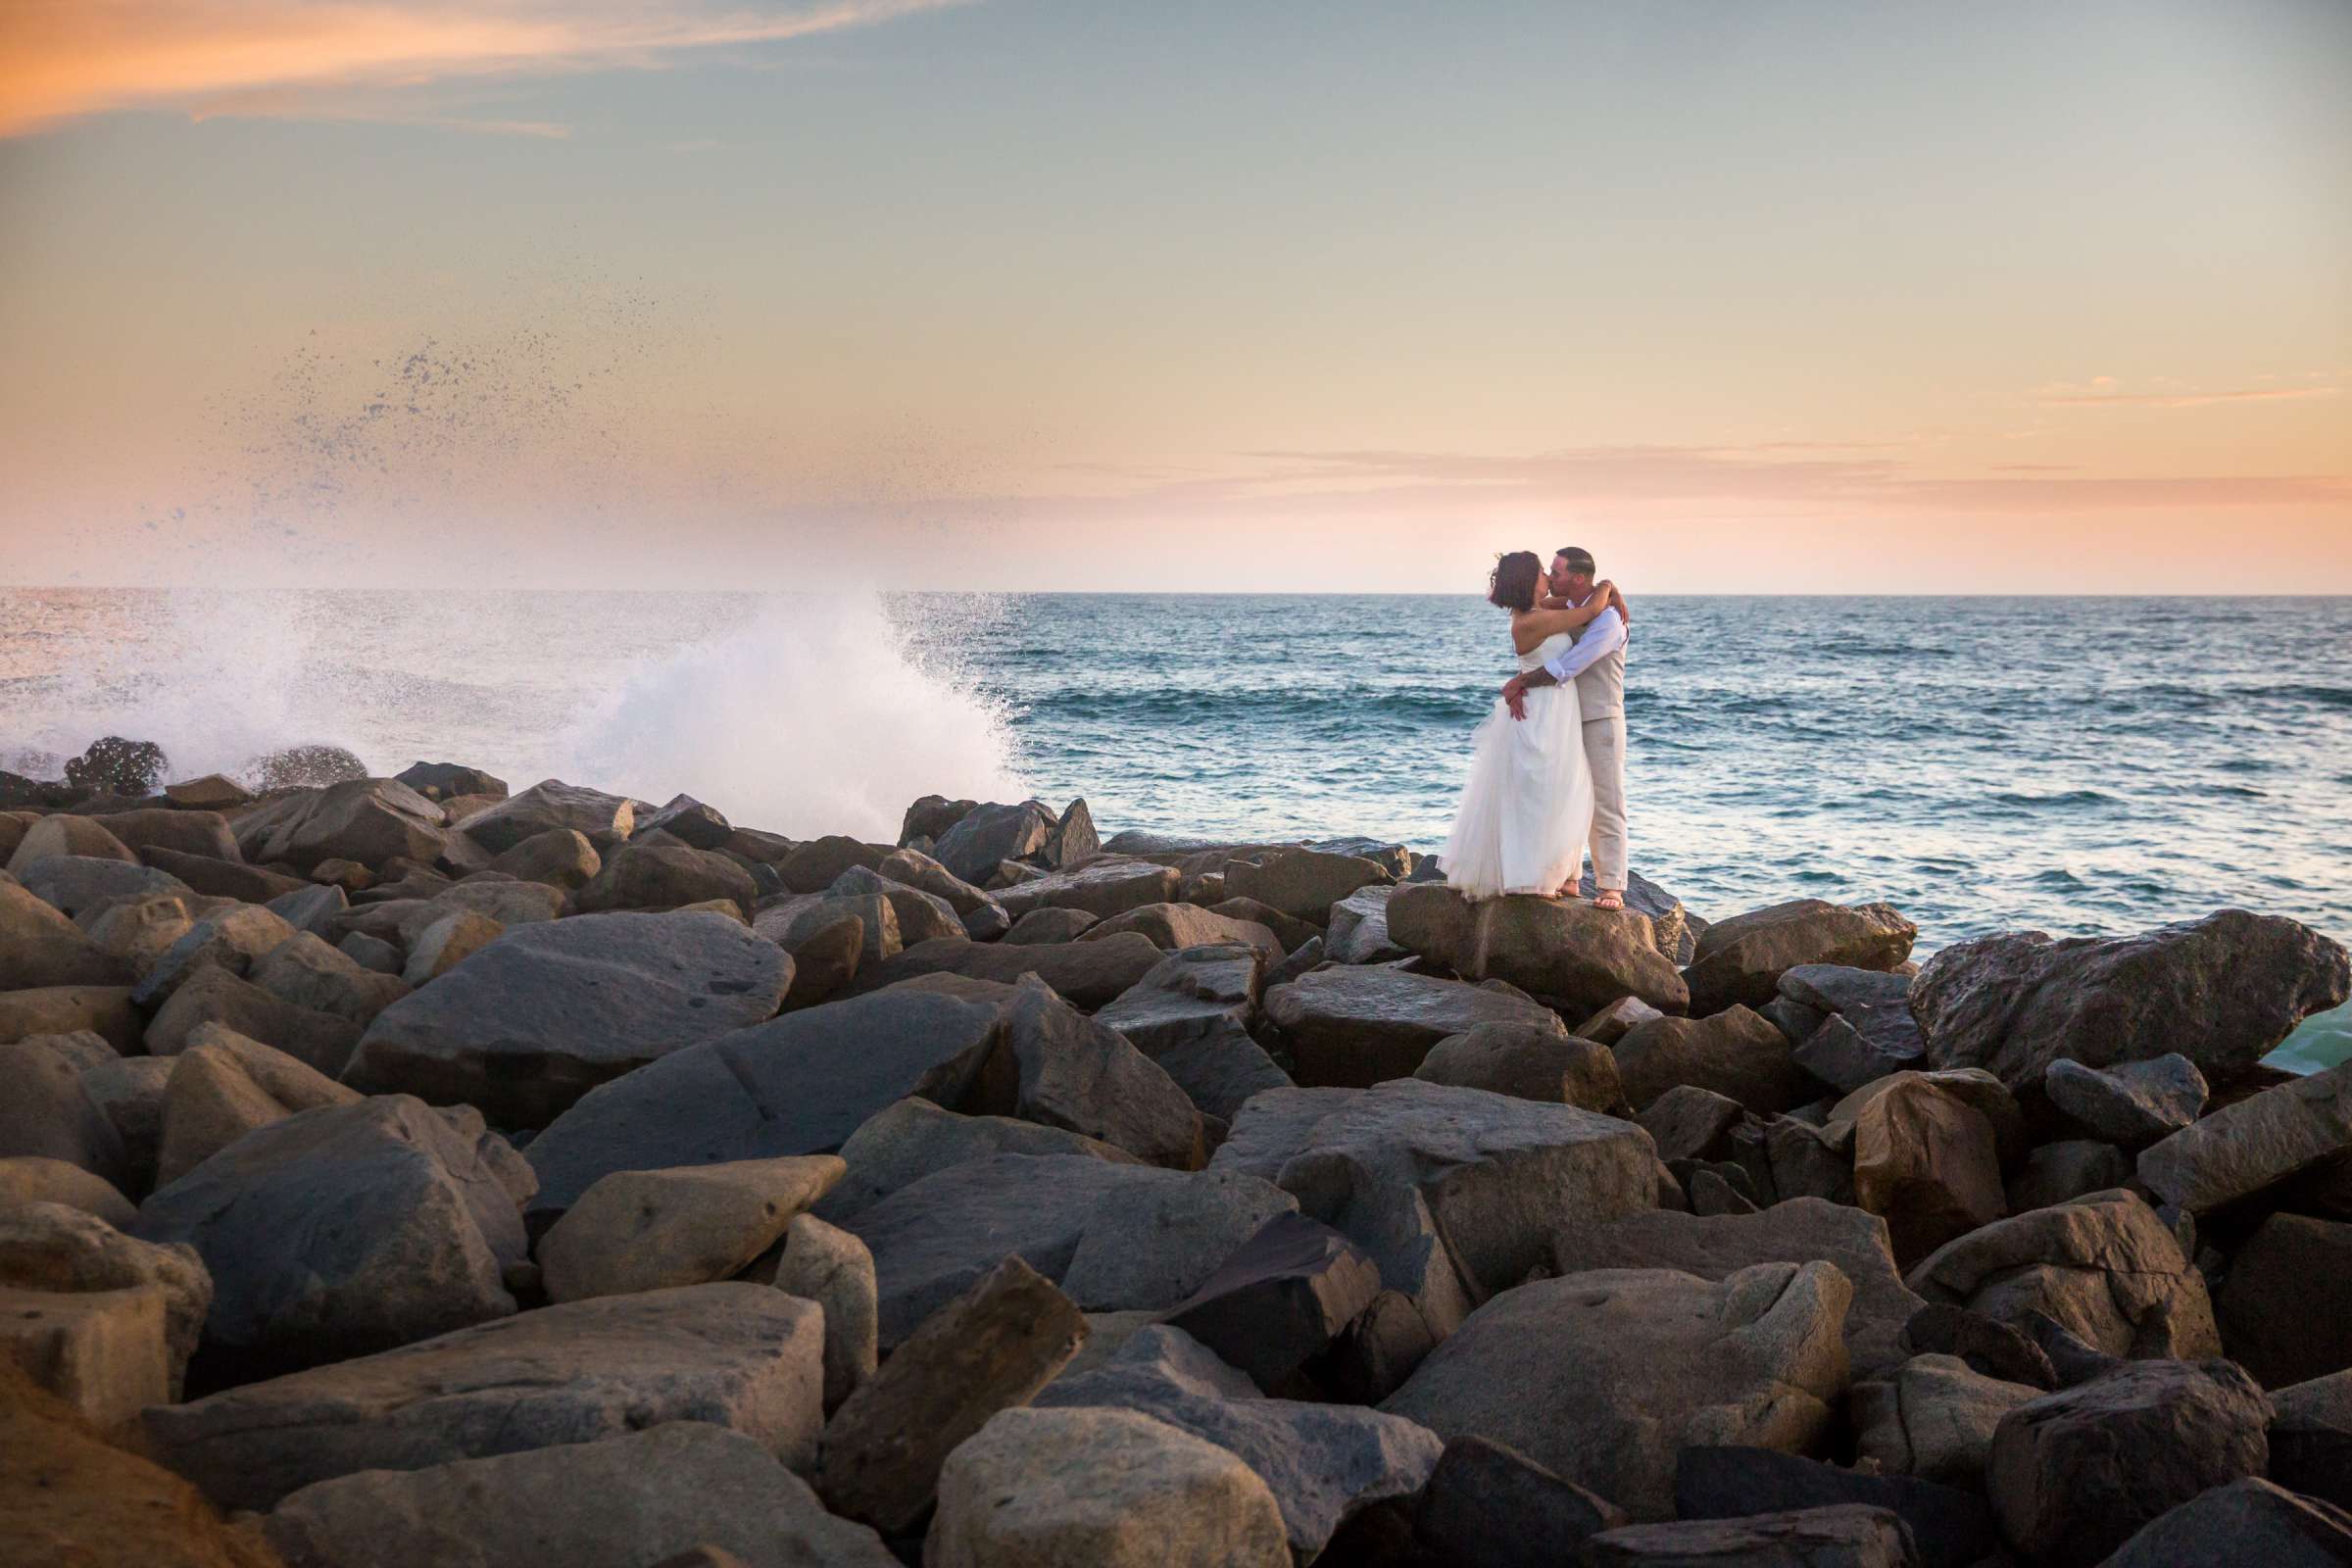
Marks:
<point>1549,648</point>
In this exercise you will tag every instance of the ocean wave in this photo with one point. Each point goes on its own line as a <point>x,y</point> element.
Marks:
<point>2064,798</point>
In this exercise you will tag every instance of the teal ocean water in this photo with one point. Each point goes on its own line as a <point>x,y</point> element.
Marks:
<point>2077,765</point>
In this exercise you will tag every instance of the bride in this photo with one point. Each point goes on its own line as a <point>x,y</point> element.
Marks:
<point>1528,802</point>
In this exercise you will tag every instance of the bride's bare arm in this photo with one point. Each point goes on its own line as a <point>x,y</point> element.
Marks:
<point>1531,627</point>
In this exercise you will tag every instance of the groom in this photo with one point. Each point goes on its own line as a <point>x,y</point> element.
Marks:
<point>1595,662</point>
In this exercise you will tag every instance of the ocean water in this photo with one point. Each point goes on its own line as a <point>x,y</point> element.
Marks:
<point>2078,766</point>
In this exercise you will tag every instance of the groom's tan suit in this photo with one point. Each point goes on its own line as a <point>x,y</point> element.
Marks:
<point>1595,662</point>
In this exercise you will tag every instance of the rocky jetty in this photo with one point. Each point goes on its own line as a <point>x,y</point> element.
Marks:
<point>406,1170</point>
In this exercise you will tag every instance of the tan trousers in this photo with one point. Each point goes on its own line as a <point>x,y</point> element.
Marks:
<point>1604,757</point>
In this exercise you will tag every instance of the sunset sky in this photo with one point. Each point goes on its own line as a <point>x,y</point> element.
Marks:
<point>1744,295</point>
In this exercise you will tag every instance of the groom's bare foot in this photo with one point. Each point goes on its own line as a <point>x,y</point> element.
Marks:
<point>1609,899</point>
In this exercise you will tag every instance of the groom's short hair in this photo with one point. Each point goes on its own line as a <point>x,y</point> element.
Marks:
<point>1579,559</point>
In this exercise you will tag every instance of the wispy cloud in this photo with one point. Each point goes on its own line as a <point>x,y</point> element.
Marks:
<point>64,59</point>
<point>2105,392</point>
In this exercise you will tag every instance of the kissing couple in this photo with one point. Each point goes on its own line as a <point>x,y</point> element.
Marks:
<point>1548,767</point>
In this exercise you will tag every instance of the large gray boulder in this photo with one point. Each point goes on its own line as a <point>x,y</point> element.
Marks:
<point>550,1010</point>
<point>2105,1267</point>
<point>1355,1026</point>
<point>1176,926</point>
<point>1087,975</point>
<point>1105,888</point>
<point>422,1219</point>
<point>1454,1191</point>
<point>1324,1462</point>
<point>647,1229</point>
<point>1933,1416</point>
<point>1741,959</point>
<point>2074,1474</point>
<point>1075,1073</point>
<point>2132,1104</point>
<point>368,820</point>
<point>1530,1062</point>
<point>1715,1247</point>
<point>54,1247</point>
<point>667,876</point>
<point>625,1501</point>
<point>77,884</point>
<point>741,1356</point>
<point>1579,957</point>
<point>1735,1052</point>
<point>224,1085</point>
<point>987,835</point>
<point>2222,991</point>
<point>1100,1489</point>
<point>2248,1520</point>
<point>907,1140</point>
<point>1652,1361</point>
<point>799,1084</point>
<point>1191,1014</point>
<point>1303,883</point>
<point>2255,1143</point>
<point>40,948</point>
<point>604,821</point>
<point>2285,1306</point>
<point>47,1113</point>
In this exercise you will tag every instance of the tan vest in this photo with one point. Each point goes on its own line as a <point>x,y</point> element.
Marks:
<point>1600,688</point>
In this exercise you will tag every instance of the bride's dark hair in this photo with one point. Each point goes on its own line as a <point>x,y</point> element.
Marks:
<point>1511,586</point>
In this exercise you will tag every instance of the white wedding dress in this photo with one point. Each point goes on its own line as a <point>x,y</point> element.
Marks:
<point>1528,807</point>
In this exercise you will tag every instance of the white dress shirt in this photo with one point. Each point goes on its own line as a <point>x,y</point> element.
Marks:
<point>1604,635</point>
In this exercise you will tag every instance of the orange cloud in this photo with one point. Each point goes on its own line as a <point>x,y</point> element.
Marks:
<point>2100,394</point>
<point>62,59</point>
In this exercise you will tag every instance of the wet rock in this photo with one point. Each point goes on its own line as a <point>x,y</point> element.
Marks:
<point>2285,1306</point>
<point>1323,1462</point>
<point>662,876</point>
<point>799,1084</point>
<point>2074,1474</point>
<point>986,835</point>
<point>113,766</point>
<point>931,816</point>
<point>34,1179</point>
<point>1583,957</point>
<point>2132,1104</point>
<point>439,781</point>
<point>1924,1159</point>
<point>906,1141</point>
<point>214,995</point>
<point>1100,1489</point>
<point>2223,990</point>
<point>60,1248</point>
<point>1849,1536</point>
<point>735,1355</point>
<point>1529,1062</point>
<point>547,1011</point>
<point>40,949</point>
<point>647,1230</point>
<point>604,821</point>
<point>829,1267</point>
<point>1454,1191</point>
<point>224,1085</point>
<point>46,1114</point>
<point>1735,1052</point>
<point>1280,1299</point>
<point>1048,927</point>
<point>1087,975</point>
<point>1716,1246</point>
<point>1302,884</point>
<point>1655,1360</point>
<point>2255,1143</point>
<point>423,1223</point>
<point>2246,1521</point>
<point>2063,1171</point>
<point>1951,1528</point>
<point>2104,1266</point>
<point>990,1349</point>
<point>623,1501</point>
<point>1933,1416</point>
<point>1357,1026</point>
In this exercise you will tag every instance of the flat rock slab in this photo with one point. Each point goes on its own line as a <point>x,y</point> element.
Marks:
<point>1105,889</point>
<point>741,1356</point>
<point>349,1229</point>
<point>2257,1142</point>
<point>1651,1361</point>
<point>1323,1461</point>
<point>2223,990</point>
<point>1087,975</point>
<point>619,1502</point>
<point>796,1084</point>
<point>1717,1245</point>
<point>552,1009</point>
<point>1847,1535</point>
<point>1354,1027</point>
<point>1579,957</point>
